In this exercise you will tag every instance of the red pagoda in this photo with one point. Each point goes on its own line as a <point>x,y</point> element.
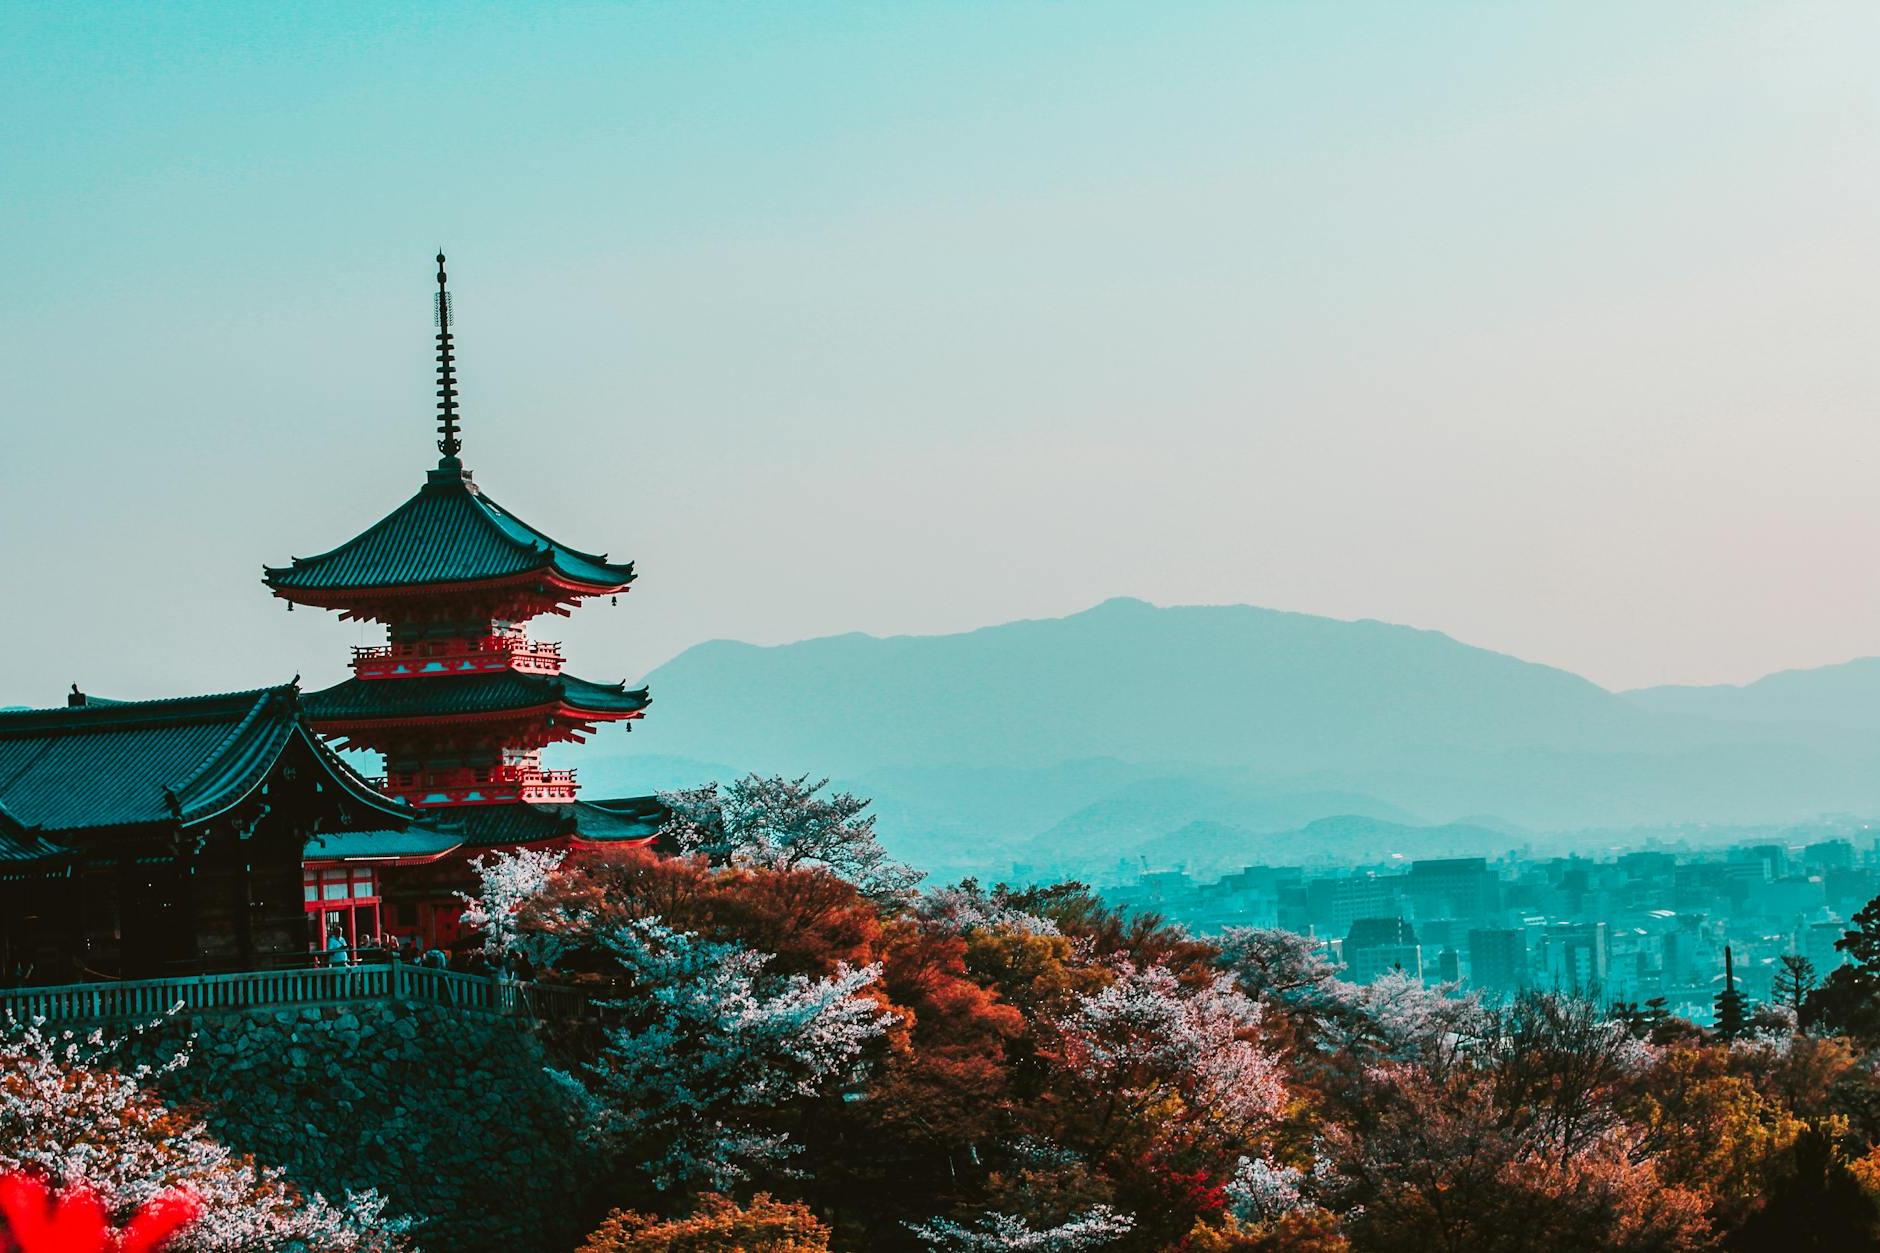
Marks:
<point>459,700</point>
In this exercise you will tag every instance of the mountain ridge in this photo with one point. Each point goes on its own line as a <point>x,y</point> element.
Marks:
<point>1842,694</point>
<point>971,742</point>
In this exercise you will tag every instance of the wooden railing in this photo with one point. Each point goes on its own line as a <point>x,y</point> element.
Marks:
<point>468,785</point>
<point>290,989</point>
<point>457,656</point>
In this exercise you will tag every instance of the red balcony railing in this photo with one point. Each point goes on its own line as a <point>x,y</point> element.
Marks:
<point>481,786</point>
<point>429,658</point>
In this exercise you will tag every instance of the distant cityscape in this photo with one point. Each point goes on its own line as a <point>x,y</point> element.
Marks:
<point>1629,927</point>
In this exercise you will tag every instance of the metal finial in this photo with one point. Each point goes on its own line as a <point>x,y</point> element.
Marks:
<point>448,443</point>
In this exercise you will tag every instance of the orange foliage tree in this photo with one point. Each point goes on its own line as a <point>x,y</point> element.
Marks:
<point>717,1225</point>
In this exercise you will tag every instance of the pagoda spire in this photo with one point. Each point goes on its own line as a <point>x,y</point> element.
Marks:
<point>1731,1004</point>
<point>447,443</point>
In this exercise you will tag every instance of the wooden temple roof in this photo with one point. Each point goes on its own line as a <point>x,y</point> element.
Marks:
<point>633,819</point>
<point>449,534</point>
<point>461,695</point>
<point>99,764</point>
<point>20,843</point>
<point>416,843</point>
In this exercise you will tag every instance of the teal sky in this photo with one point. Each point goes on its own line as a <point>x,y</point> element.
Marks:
<point>1552,326</point>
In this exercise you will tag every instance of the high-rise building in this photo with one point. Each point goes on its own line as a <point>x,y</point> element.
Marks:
<point>1498,959</point>
<point>1818,942</point>
<point>1828,855</point>
<point>1453,887</point>
<point>1333,904</point>
<point>1377,946</point>
<point>1574,956</point>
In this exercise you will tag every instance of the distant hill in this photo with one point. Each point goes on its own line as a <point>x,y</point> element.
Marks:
<point>1845,696</point>
<point>1136,820</point>
<point>1227,685</point>
<point>1057,740</point>
<point>1205,849</point>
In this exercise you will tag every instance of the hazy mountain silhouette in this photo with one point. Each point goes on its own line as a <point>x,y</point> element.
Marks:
<point>1103,731</point>
<point>1231,685</point>
<point>1209,848</point>
<point>1845,696</point>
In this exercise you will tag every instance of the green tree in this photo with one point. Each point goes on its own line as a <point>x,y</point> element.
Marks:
<point>1862,942</point>
<point>1848,1000</point>
<point>1795,979</point>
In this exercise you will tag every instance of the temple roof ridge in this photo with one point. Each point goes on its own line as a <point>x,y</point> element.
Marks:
<point>450,531</point>
<point>178,759</point>
<point>83,709</point>
<point>500,691</point>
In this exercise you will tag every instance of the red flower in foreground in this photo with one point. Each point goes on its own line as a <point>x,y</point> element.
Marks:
<point>32,1220</point>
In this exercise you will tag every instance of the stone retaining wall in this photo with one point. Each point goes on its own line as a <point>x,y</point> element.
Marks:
<point>447,1112</point>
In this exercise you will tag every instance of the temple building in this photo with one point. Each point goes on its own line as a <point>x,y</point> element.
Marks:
<point>224,831</point>
<point>148,837</point>
<point>459,700</point>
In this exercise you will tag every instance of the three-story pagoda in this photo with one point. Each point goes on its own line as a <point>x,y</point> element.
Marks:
<point>459,700</point>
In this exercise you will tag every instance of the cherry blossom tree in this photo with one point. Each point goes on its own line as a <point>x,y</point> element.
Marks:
<point>1275,965</point>
<point>71,1116</point>
<point>1397,1017</point>
<point>1145,1038</point>
<point>966,907</point>
<point>1262,1189</point>
<point>712,1051</point>
<point>999,1233</point>
<point>507,880</point>
<point>782,823</point>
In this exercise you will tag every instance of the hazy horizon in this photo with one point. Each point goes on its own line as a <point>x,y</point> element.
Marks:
<point>1547,328</point>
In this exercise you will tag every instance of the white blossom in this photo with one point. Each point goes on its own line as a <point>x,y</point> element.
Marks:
<point>1145,1029</point>
<point>1398,1017</point>
<point>1262,1190</point>
<point>1770,1030</point>
<point>1274,965</point>
<point>68,1114</point>
<point>964,908</point>
<point>779,823</point>
<point>507,880</point>
<point>1000,1233</point>
<point>711,1043</point>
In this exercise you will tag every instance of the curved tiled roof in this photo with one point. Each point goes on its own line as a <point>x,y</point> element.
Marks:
<point>416,842</point>
<point>623,818</point>
<point>490,826</point>
<point>450,532</point>
<point>19,843</point>
<point>97,764</point>
<point>374,700</point>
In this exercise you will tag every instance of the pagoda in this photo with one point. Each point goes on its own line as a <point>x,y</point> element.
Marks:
<point>459,699</point>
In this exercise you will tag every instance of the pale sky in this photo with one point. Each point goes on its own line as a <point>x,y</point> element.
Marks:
<point>1551,326</point>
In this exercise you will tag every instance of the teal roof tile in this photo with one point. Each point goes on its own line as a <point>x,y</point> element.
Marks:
<point>414,841</point>
<point>491,826</point>
<point>623,818</point>
<point>102,764</point>
<point>19,843</point>
<point>373,700</point>
<point>450,532</point>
